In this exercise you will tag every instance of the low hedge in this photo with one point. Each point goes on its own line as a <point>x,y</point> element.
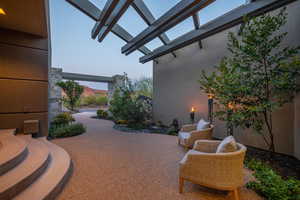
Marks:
<point>102,114</point>
<point>67,130</point>
<point>271,185</point>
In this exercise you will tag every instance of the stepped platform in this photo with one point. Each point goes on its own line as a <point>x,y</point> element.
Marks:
<point>31,168</point>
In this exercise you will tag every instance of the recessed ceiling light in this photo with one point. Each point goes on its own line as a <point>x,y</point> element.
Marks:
<point>2,12</point>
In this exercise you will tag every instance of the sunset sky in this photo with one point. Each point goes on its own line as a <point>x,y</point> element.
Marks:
<point>75,51</point>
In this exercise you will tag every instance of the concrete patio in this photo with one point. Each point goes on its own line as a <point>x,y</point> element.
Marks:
<point>110,165</point>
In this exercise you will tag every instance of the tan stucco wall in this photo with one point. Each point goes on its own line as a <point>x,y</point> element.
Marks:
<point>176,88</point>
<point>23,80</point>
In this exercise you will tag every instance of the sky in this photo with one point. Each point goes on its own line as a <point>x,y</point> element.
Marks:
<point>74,51</point>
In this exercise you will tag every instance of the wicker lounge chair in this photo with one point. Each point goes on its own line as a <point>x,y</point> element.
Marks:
<point>189,134</point>
<point>222,171</point>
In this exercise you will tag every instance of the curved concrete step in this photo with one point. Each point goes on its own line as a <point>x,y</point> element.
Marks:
<point>13,150</point>
<point>51,182</point>
<point>26,172</point>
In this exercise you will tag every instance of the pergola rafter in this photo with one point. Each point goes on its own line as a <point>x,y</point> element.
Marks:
<point>157,28</point>
<point>196,21</point>
<point>178,13</point>
<point>226,21</point>
<point>110,15</point>
<point>94,13</point>
<point>144,12</point>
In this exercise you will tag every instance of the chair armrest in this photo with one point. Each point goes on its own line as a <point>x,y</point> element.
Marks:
<point>208,146</point>
<point>188,127</point>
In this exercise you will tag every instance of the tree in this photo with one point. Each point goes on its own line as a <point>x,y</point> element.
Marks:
<point>258,78</point>
<point>144,87</point>
<point>73,92</point>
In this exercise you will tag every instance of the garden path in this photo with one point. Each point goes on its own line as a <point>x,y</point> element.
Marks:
<point>112,165</point>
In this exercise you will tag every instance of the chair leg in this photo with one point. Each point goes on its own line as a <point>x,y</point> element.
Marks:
<point>181,183</point>
<point>236,194</point>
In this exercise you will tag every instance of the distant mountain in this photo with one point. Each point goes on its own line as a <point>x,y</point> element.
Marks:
<point>90,91</point>
<point>87,91</point>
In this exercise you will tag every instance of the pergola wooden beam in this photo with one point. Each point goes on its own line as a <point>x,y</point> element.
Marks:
<point>181,11</point>
<point>112,12</point>
<point>144,12</point>
<point>86,77</point>
<point>196,21</point>
<point>224,22</point>
<point>94,13</point>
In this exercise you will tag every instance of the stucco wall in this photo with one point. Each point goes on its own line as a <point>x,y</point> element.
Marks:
<point>176,88</point>
<point>23,80</point>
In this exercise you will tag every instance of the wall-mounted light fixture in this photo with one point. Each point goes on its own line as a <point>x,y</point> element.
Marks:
<point>210,107</point>
<point>2,12</point>
<point>192,114</point>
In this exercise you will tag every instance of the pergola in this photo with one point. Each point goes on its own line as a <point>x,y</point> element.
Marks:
<point>106,21</point>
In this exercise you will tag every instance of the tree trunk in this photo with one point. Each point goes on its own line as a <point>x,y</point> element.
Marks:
<point>269,123</point>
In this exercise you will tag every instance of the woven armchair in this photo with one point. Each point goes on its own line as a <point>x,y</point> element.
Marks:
<point>222,171</point>
<point>189,134</point>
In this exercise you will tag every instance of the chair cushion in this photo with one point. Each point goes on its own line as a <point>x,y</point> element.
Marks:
<point>183,137</point>
<point>202,124</point>
<point>227,145</point>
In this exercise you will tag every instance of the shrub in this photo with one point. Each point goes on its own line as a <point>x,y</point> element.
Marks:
<point>88,100</point>
<point>67,130</point>
<point>102,114</point>
<point>63,118</point>
<point>125,105</point>
<point>97,100</point>
<point>121,122</point>
<point>101,100</point>
<point>271,185</point>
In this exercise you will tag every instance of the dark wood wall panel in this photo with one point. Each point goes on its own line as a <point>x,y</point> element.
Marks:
<point>23,63</point>
<point>23,96</point>
<point>8,121</point>
<point>23,80</point>
<point>23,39</point>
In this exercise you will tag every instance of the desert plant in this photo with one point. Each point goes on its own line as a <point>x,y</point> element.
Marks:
<point>62,119</point>
<point>271,185</point>
<point>102,114</point>
<point>101,100</point>
<point>96,100</point>
<point>258,78</point>
<point>125,105</point>
<point>143,87</point>
<point>88,100</point>
<point>73,92</point>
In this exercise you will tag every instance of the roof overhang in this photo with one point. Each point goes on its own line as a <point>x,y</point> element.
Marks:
<point>25,16</point>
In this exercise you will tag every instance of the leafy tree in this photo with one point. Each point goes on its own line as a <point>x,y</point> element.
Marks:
<point>73,92</point>
<point>258,78</point>
<point>144,87</point>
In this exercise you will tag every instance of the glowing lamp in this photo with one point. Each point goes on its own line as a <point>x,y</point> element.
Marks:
<point>193,109</point>
<point>2,12</point>
<point>192,114</point>
<point>210,96</point>
<point>231,106</point>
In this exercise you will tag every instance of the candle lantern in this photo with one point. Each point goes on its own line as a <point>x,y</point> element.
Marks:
<point>210,107</point>
<point>192,115</point>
